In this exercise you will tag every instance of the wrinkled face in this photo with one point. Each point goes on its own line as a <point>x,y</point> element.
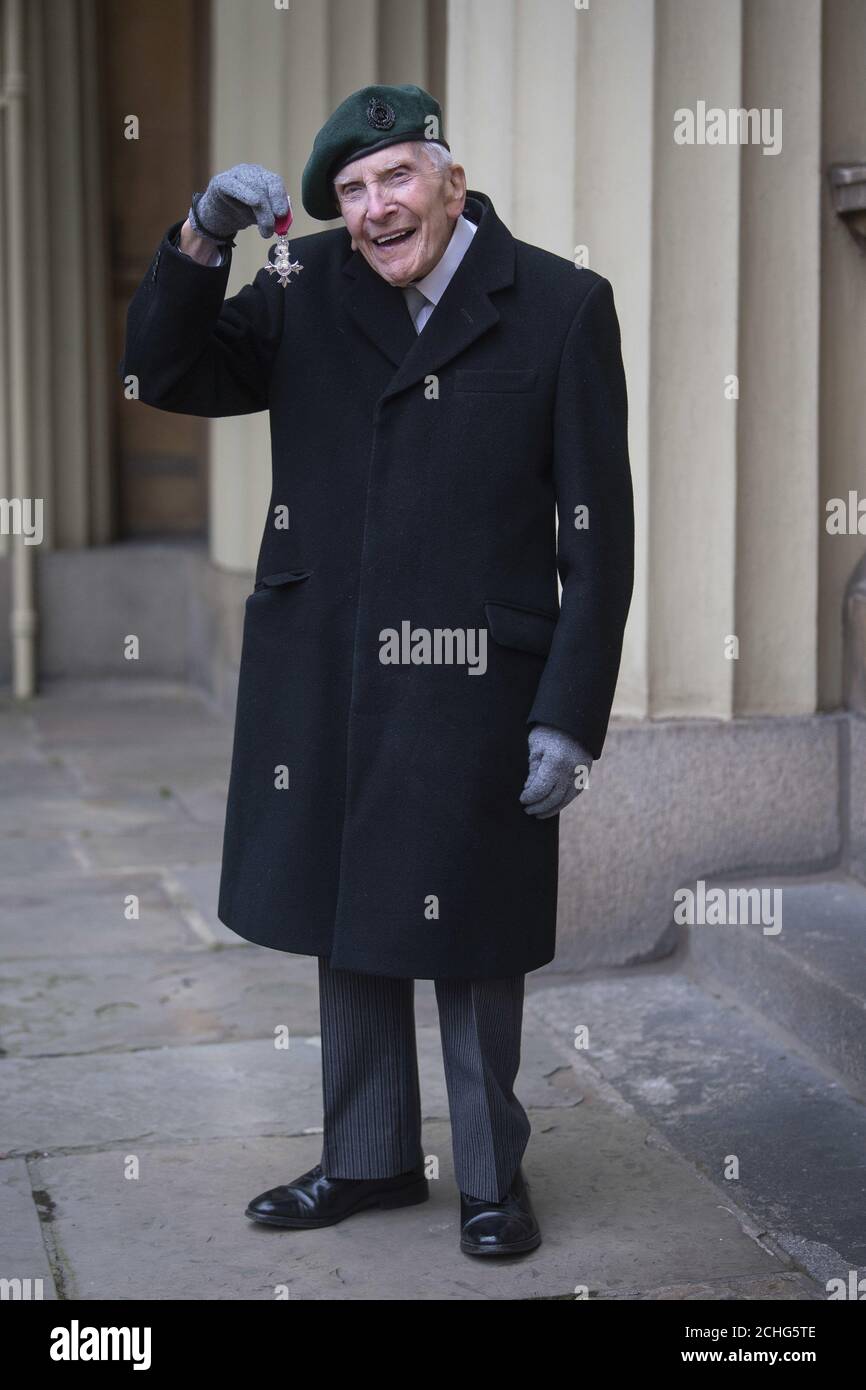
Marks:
<point>400,209</point>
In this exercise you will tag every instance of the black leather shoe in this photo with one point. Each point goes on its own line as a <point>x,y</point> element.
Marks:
<point>316,1200</point>
<point>499,1228</point>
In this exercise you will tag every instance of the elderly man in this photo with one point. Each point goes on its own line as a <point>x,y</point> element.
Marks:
<point>437,391</point>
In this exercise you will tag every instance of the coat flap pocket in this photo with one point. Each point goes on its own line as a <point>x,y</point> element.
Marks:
<point>274,581</point>
<point>527,628</point>
<point>496,379</point>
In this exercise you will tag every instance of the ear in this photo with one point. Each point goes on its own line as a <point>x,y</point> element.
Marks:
<point>455,187</point>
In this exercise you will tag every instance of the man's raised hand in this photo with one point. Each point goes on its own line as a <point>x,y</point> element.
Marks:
<point>243,196</point>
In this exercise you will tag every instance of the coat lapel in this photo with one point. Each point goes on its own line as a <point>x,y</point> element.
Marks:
<point>464,312</point>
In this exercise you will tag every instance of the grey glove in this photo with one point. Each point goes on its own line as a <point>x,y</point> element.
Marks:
<point>554,757</point>
<point>239,197</point>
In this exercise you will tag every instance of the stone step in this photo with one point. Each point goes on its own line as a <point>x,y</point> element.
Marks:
<point>779,1138</point>
<point>808,978</point>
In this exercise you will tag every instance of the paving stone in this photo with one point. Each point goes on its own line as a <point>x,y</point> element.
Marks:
<point>17,741</point>
<point>22,1250</point>
<point>38,779</point>
<point>210,1090</point>
<point>206,802</point>
<point>154,845</point>
<point>80,816</point>
<point>18,730</point>
<point>194,888</point>
<point>124,1002</point>
<point>84,916</point>
<point>78,714</point>
<point>173,1093</point>
<point>615,1213</point>
<point>772,1288</point>
<point>33,857</point>
<point>177,768</point>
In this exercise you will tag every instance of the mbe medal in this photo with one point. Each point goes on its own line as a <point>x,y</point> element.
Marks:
<point>282,264</point>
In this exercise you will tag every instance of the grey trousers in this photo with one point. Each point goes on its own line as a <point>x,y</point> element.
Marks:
<point>372,1103</point>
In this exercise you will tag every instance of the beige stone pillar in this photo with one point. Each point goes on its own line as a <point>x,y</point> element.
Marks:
<point>612,219</point>
<point>54,376</point>
<point>778,356</point>
<point>67,369</point>
<point>565,152</point>
<point>843,329</point>
<point>695,234</point>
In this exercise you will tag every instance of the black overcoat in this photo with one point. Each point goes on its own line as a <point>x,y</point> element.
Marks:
<point>373,813</point>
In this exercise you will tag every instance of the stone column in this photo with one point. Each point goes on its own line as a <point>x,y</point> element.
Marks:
<point>550,110</point>
<point>843,329</point>
<point>779,353</point>
<point>68,372</point>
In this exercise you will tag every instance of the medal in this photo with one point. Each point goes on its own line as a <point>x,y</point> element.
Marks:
<point>282,264</point>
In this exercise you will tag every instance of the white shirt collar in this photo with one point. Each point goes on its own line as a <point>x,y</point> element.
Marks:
<point>435,282</point>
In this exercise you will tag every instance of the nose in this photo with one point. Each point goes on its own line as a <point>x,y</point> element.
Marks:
<point>378,203</point>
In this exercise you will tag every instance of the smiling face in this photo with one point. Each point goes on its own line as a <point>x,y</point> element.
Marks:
<point>400,209</point>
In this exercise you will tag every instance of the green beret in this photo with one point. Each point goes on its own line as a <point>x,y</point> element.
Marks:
<point>368,120</point>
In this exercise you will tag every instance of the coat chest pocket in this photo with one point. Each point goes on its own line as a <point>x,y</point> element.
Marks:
<point>281,580</point>
<point>496,379</point>
<point>528,629</point>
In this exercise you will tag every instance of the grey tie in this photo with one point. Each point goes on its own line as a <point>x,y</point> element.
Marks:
<point>415,299</point>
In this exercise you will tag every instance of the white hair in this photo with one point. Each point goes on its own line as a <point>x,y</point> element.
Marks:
<point>439,157</point>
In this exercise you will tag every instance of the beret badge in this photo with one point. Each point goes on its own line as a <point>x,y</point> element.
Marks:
<point>380,115</point>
